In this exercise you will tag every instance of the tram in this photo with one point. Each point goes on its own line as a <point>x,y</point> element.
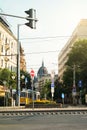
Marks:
<point>27,96</point>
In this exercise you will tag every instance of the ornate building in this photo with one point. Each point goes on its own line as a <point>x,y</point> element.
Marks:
<point>42,72</point>
<point>42,76</point>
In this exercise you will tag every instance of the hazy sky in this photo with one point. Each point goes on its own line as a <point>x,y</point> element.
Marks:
<point>57,20</point>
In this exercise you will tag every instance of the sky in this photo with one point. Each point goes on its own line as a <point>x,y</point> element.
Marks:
<point>57,19</point>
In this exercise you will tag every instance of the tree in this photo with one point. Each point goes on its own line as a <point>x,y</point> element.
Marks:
<point>5,76</point>
<point>78,58</point>
<point>26,80</point>
<point>46,90</point>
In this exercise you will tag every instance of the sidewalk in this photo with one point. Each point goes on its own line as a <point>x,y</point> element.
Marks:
<point>64,107</point>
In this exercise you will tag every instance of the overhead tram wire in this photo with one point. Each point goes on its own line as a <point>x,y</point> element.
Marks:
<point>43,39</point>
<point>42,52</point>
<point>50,37</point>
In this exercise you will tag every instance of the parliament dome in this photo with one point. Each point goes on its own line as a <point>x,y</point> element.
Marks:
<point>42,71</point>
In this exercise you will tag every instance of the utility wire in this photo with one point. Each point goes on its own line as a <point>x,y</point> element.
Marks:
<point>51,37</point>
<point>42,52</point>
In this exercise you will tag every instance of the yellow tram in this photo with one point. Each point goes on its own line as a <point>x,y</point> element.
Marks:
<point>27,96</point>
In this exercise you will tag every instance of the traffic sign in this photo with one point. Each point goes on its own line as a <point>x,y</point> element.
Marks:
<point>80,83</point>
<point>52,84</point>
<point>62,95</point>
<point>32,73</point>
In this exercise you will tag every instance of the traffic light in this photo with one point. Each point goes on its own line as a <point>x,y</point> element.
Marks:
<point>31,18</point>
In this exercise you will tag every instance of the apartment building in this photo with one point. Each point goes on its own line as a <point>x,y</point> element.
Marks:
<point>8,48</point>
<point>22,60</point>
<point>80,32</point>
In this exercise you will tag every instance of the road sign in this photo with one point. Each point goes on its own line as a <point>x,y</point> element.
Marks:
<point>32,73</point>
<point>74,91</point>
<point>52,89</point>
<point>62,95</point>
<point>52,84</point>
<point>80,83</point>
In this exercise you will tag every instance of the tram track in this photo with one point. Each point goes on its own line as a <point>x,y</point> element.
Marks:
<point>47,111</point>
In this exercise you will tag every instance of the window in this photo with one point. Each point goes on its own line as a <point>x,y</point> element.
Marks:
<point>6,41</point>
<point>1,48</point>
<point>0,35</point>
<point>12,45</point>
<point>1,62</point>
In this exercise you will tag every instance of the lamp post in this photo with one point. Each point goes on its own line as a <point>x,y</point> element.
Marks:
<point>18,66</point>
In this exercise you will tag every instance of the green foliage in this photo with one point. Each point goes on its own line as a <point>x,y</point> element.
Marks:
<point>78,53</point>
<point>26,75</point>
<point>77,57</point>
<point>46,90</point>
<point>7,79</point>
<point>5,76</point>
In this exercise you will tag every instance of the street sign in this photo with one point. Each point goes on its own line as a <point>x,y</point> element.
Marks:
<point>26,80</point>
<point>32,73</point>
<point>62,95</point>
<point>80,83</point>
<point>74,91</point>
<point>52,84</point>
<point>52,87</point>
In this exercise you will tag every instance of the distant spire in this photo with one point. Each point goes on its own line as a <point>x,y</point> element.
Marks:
<point>42,63</point>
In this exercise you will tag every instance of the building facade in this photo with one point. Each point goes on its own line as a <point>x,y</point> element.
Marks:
<point>8,48</point>
<point>42,76</point>
<point>80,32</point>
<point>22,60</point>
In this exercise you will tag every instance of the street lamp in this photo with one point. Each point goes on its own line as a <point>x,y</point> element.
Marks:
<point>18,65</point>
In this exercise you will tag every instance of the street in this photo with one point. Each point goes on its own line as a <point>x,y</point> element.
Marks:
<point>44,122</point>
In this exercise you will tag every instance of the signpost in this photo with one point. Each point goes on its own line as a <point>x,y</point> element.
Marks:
<point>80,83</point>
<point>32,74</point>
<point>52,84</point>
<point>63,98</point>
<point>80,93</point>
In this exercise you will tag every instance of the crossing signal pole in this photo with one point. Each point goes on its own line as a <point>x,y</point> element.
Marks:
<point>32,24</point>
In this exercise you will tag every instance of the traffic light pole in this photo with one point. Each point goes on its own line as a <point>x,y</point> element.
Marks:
<point>18,16</point>
<point>32,19</point>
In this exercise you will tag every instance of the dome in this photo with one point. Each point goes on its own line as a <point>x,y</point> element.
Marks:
<point>42,71</point>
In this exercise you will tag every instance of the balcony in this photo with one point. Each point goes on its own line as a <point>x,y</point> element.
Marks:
<point>7,46</point>
<point>6,58</point>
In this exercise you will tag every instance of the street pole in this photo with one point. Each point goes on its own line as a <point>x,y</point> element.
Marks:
<point>32,93</point>
<point>31,19</point>
<point>18,66</point>
<point>74,84</point>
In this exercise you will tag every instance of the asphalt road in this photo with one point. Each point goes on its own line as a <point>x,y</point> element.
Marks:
<point>44,122</point>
